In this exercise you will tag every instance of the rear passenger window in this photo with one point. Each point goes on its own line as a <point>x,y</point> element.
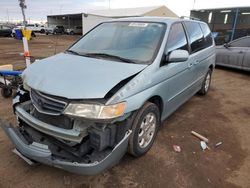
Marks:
<point>195,36</point>
<point>207,35</point>
<point>177,38</point>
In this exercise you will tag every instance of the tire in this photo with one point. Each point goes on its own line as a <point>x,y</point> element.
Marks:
<point>42,31</point>
<point>6,92</point>
<point>206,83</point>
<point>138,146</point>
<point>71,33</point>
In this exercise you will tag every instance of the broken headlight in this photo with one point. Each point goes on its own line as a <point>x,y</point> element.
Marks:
<point>96,111</point>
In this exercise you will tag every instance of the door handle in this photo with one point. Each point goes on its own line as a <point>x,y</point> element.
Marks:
<point>240,52</point>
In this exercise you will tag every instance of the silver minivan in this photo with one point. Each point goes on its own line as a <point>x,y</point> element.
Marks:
<point>83,109</point>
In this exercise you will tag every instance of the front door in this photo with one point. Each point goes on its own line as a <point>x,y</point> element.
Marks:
<point>175,76</point>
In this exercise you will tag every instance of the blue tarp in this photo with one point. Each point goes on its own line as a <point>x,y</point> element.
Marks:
<point>10,73</point>
<point>19,34</point>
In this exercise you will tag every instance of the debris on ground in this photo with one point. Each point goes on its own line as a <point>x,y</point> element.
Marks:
<point>209,181</point>
<point>199,136</point>
<point>177,148</point>
<point>66,180</point>
<point>218,144</point>
<point>203,145</point>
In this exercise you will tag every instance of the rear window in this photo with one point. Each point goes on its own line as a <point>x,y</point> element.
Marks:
<point>195,36</point>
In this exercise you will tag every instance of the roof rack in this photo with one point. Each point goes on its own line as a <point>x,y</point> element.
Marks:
<point>190,18</point>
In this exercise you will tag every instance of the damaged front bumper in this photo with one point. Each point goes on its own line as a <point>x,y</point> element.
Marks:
<point>41,153</point>
<point>73,135</point>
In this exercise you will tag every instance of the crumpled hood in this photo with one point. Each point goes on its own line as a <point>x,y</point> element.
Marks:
<point>77,77</point>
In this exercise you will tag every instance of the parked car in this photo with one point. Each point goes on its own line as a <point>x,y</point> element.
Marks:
<point>36,28</point>
<point>76,30</point>
<point>235,54</point>
<point>110,92</point>
<point>5,31</point>
<point>59,30</point>
<point>49,30</point>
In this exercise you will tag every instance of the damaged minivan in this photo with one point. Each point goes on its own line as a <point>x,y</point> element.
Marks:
<point>83,109</point>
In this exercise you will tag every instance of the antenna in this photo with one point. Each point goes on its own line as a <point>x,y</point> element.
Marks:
<point>23,7</point>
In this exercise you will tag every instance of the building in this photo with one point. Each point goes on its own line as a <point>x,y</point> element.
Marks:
<point>226,24</point>
<point>91,19</point>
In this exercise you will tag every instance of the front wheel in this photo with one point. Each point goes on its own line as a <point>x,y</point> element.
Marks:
<point>206,83</point>
<point>144,129</point>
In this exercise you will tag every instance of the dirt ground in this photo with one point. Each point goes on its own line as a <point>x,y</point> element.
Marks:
<point>222,116</point>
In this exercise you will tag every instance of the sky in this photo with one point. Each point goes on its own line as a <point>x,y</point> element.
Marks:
<point>37,10</point>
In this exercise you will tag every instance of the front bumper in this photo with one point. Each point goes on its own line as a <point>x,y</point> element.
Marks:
<point>42,154</point>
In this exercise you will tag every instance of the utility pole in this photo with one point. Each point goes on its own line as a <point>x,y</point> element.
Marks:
<point>8,17</point>
<point>194,4</point>
<point>23,6</point>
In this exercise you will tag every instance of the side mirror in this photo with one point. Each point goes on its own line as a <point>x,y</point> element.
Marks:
<point>178,56</point>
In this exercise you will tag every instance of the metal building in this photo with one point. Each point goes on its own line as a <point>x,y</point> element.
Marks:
<point>226,24</point>
<point>91,19</point>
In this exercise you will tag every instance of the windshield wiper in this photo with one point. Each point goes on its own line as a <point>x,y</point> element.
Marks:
<point>109,56</point>
<point>73,52</point>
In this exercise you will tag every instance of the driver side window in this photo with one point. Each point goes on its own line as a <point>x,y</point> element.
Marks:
<point>176,38</point>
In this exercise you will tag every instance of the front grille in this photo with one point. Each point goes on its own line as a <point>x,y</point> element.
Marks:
<point>46,104</point>
<point>61,121</point>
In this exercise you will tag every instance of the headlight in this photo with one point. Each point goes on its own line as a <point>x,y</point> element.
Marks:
<point>96,111</point>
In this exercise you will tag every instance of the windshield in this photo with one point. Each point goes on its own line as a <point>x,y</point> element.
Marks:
<point>136,42</point>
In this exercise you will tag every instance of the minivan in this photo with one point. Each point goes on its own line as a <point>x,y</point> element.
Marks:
<point>83,109</point>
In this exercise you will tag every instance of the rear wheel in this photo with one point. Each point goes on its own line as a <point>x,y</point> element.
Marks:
<point>206,83</point>
<point>144,129</point>
<point>6,92</point>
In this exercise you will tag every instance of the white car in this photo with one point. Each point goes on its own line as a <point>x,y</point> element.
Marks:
<point>36,28</point>
<point>49,30</point>
<point>75,30</point>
